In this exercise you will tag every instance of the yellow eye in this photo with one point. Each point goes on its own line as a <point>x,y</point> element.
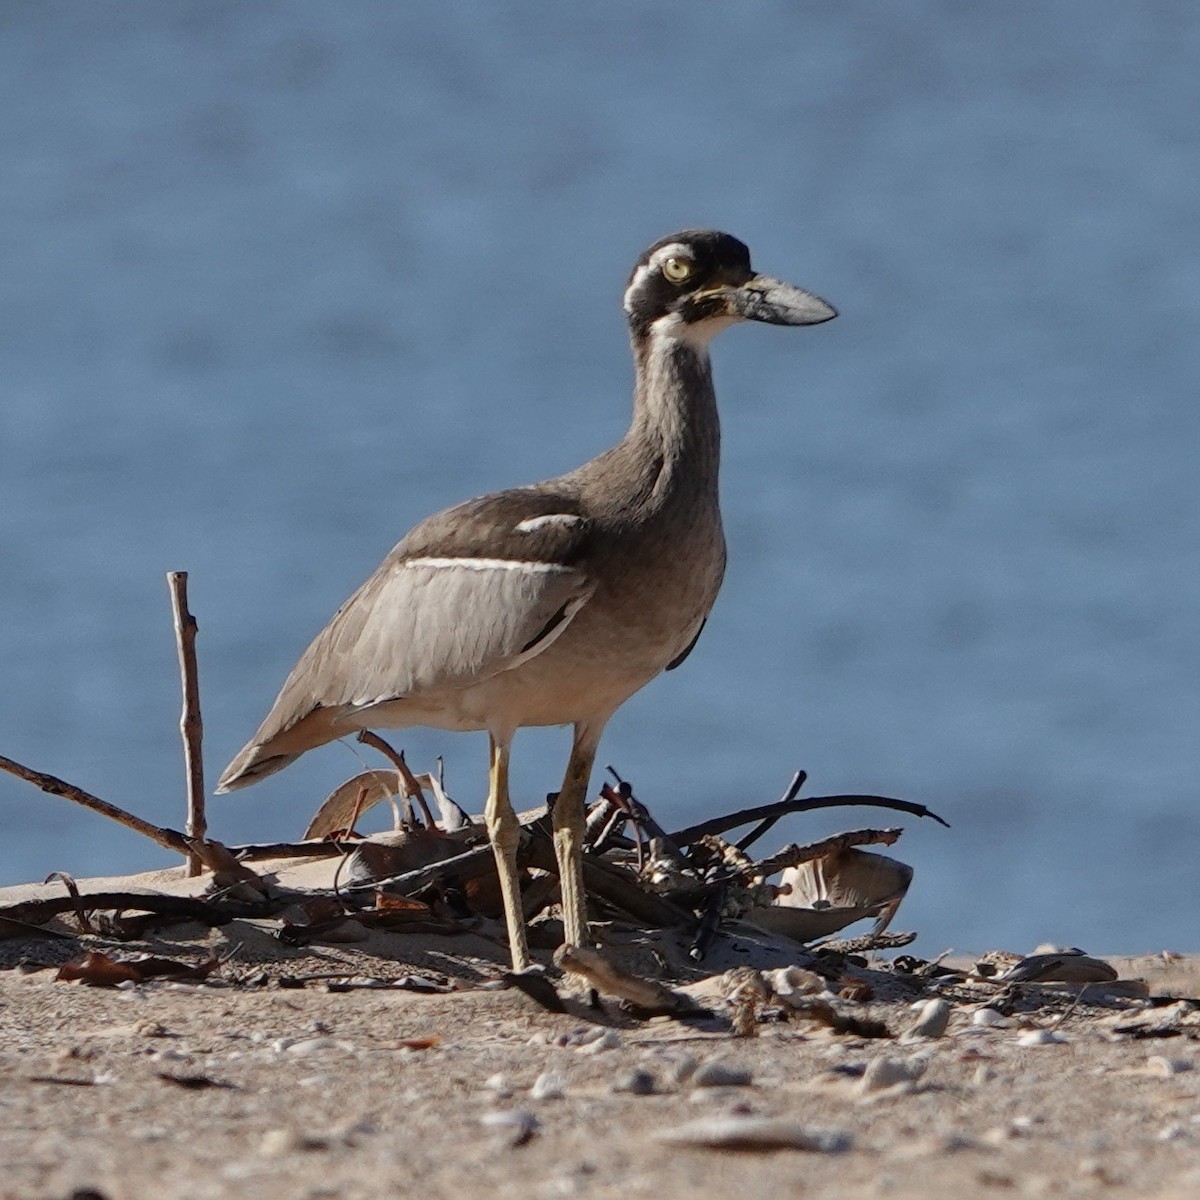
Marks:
<point>676,270</point>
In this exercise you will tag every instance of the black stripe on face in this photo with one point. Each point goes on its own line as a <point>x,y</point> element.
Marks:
<point>718,260</point>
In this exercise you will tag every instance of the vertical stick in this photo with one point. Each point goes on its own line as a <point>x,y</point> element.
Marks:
<point>191,726</point>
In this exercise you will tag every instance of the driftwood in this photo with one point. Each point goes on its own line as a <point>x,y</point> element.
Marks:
<point>610,980</point>
<point>36,912</point>
<point>191,723</point>
<point>685,890</point>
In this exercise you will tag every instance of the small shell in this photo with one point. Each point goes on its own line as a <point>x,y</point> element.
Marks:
<point>988,1018</point>
<point>754,1133</point>
<point>931,1021</point>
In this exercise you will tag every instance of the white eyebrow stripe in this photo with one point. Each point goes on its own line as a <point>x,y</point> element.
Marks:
<point>488,564</point>
<point>532,524</point>
<point>672,250</point>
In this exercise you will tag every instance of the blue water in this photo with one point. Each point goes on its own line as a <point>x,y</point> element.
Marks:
<point>278,280</point>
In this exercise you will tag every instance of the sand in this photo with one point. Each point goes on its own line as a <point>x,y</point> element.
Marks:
<point>241,1087</point>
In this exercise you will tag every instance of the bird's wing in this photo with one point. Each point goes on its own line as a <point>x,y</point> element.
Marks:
<point>469,593</point>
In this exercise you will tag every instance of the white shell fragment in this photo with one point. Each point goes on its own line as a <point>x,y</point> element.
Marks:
<point>754,1133</point>
<point>931,1021</point>
<point>1161,1065</point>
<point>988,1018</point>
<point>787,982</point>
<point>1040,1037</point>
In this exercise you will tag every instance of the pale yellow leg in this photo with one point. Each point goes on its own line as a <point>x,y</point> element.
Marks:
<point>504,830</point>
<point>568,834</point>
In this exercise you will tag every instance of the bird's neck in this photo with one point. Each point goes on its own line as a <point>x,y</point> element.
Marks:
<point>675,410</point>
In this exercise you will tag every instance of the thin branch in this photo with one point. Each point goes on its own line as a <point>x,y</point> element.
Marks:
<point>262,851</point>
<point>412,789</point>
<point>685,837</point>
<point>172,839</point>
<point>471,864</point>
<point>191,724</point>
<point>767,824</point>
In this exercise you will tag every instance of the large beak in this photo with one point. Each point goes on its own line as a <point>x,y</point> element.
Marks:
<point>774,302</point>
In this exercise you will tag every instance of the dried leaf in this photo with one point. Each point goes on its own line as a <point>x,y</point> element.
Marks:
<point>396,905</point>
<point>829,893</point>
<point>416,1043</point>
<point>96,969</point>
<point>356,795</point>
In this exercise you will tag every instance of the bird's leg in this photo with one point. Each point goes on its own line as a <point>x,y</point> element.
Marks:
<point>568,834</point>
<point>504,830</point>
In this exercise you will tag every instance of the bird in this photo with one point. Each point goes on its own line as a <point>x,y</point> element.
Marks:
<point>551,604</point>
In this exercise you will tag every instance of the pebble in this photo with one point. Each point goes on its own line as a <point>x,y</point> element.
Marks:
<point>170,1055</point>
<point>278,1142</point>
<point>931,1021</point>
<point>988,1018</point>
<point>498,1083</point>
<point>609,1040</point>
<point>714,1073</point>
<point>305,1046</point>
<point>1159,1064</point>
<point>754,1133</point>
<point>1040,1037</point>
<point>549,1085</point>
<point>681,1068</point>
<point>887,1071</point>
<point>936,1144</point>
<point>636,1082</point>
<point>515,1125</point>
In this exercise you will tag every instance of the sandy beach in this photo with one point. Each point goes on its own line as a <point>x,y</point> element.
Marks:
<point>317,1072</point>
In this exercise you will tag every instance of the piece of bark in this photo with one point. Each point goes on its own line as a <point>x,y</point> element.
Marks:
<point>609,979</point>
<point>35,912</point>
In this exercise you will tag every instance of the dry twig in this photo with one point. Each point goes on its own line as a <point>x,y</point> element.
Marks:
<point>191,724</point>
<point>685,837</point>
<point>172,839</point>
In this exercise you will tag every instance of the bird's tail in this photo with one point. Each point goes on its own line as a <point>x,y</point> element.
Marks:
<point>255,762</point>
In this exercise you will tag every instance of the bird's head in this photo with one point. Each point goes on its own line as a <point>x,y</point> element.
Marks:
<point>693,284</point>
